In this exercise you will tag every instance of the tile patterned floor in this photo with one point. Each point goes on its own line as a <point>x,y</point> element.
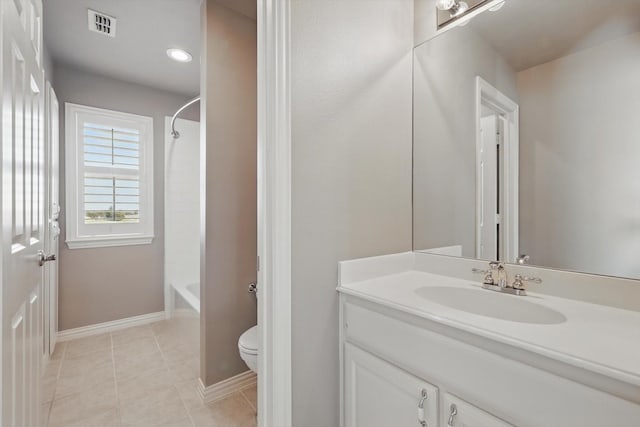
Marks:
<point>144,376</point>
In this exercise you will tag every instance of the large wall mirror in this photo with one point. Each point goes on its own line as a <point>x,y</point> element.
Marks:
<point>527,136</point>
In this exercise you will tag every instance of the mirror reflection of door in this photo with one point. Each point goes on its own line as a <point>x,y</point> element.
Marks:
<point>489,163</point>
<point>497,175</point>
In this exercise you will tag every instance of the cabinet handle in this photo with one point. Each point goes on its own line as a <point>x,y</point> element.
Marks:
<point>421,417</point>
<point>452,415</point>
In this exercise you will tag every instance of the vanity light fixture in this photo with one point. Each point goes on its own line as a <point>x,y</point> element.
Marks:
<point>179,55</point>
<point>455,7</point>
<point>497,7</point>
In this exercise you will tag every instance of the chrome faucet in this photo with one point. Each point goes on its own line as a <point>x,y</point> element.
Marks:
<point>496,279</point>
<point>501,275</point>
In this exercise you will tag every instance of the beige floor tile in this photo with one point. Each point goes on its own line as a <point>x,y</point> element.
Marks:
<point>160,406</point>
<point>165,327</point>
<point>182,423</point>
<point>131,335</point>
<point>88,345</point>
<point>145,376</point>
<point>140,346</point>
<point>185,370</point>
<point>251,394</point>
<point>44,413</point>
<point>179,352</point>
<point>233,411</point>
<point>100,378</point>
<point>48,389</point>
<point>50,379</point>
<point>137,387</point>
<point>131,365</point>
<point>186,329</point>
<point>85,373</point>
<point>102,418</point>
<point>76,408</point>
<point>52,369</point>
<point>59,351</point>
<point>81,365</point>
<point>190,394</point>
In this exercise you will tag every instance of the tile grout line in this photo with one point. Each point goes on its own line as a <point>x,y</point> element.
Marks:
<point>63,357</point>
<point>164,358</point>
<point>173,380</point>
<point>115,378</point>
<point>247,399</point>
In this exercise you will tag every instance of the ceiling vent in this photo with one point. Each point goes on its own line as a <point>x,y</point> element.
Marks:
<point>101,23</point>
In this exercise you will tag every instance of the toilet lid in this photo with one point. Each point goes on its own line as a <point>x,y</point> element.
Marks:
<point>249,340</point>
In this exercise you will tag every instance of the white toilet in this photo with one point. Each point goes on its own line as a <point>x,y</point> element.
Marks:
<point>248,342</point>
<point>248,346</point>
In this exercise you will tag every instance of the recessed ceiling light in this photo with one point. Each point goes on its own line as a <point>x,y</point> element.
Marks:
<point>179,55</point>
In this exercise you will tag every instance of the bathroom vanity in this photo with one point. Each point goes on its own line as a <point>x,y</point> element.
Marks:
<point>425,349</point>
<point>525,151</point>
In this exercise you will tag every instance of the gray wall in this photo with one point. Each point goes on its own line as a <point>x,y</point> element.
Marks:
<point>228,156</point>
<point>351,137</point>
<point>103,284</point>
<point>579,154</point>
<point>444,186</point>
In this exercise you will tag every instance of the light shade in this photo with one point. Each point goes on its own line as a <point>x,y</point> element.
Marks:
<point>179,55</point>
<point>497,7</point>
<point>459,8</point>
<point>445,4</point>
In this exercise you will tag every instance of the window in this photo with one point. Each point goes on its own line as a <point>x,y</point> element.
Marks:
<point>109,178</point>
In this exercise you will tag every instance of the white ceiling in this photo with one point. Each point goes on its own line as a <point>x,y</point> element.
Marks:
<point>145,30</point>
<point>532,32</point>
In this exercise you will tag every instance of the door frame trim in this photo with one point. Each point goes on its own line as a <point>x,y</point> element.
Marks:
<point>274,214</point>
<point>487,94</point>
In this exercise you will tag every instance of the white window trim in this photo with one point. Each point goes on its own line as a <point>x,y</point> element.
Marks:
<point>73,238</point>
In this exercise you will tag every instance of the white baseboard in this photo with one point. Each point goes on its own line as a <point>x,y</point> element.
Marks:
<point>115,325</point>
<point>186,312</point>
<point>227,387</point>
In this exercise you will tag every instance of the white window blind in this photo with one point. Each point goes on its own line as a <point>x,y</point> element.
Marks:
<point>111,193</point>
<point>112,182</point>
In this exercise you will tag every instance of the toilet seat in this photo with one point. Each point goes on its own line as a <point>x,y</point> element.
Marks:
<point>248,342</point>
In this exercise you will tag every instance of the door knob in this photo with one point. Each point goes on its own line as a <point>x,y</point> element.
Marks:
<point>42,258</point>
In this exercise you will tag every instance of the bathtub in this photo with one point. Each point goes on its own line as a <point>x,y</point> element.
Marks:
<point>190,293</point>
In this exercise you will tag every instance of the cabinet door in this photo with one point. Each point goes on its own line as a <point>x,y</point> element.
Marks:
<point>458,413</point>
<point>378,394</point>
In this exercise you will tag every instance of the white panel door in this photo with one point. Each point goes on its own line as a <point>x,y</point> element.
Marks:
<point>378,394</point>
<point>22,210</point>
<point>458,413</point>
<point>488,197</point>
<point>52,212</point>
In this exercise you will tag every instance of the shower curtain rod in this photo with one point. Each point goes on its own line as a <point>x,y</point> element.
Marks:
<point>174,133</point>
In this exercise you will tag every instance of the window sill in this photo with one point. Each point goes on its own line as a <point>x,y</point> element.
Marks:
<point>109,242</point>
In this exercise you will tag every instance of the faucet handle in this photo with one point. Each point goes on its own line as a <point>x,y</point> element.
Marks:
<point>488,276</point>
<point>519,281</point>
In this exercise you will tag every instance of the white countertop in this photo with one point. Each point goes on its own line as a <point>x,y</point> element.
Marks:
<point>598,338</point>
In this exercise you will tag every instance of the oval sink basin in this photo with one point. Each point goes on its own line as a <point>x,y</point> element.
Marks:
<point>491,304</point>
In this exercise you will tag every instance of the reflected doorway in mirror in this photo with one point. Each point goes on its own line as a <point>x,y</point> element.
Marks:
<point>497,148</point>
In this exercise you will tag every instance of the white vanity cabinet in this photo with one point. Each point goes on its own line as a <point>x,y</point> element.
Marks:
<point>458,413</point>
<point>378,394</point>
<point>390,353</point>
